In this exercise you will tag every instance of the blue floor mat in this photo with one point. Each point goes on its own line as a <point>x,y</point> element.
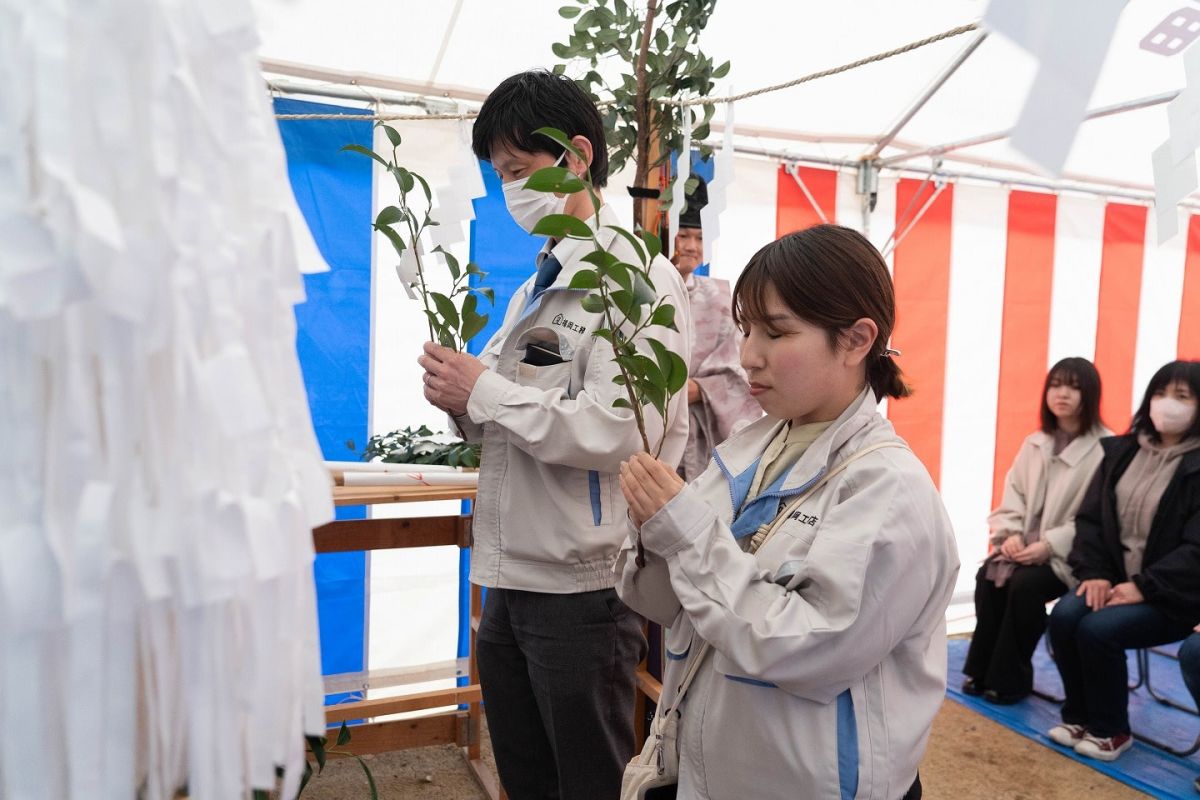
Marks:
<point>1143,767</point>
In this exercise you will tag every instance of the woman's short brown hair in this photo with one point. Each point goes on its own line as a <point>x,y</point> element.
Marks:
<point>831,277</point>
<point>1081,374</point>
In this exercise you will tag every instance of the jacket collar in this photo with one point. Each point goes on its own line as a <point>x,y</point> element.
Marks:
<point>570,252</point>
<point>1078,448</point>
<point>737,455</point>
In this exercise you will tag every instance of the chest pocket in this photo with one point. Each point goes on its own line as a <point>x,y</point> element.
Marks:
<point>545,360</point>
<point>786,555</point>
<point>551,376</point>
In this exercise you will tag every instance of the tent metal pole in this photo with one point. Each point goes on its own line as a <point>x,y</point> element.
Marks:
<point>358,95</point>
<point>898,236</point>
<point>374,81</point>
<point>1095,188</point>
<point>927,95</point>
<point>420,96</point>
<point>795,173</point>
<point>1106,111</point>
<point>866,183</point>
<point>437,62</point>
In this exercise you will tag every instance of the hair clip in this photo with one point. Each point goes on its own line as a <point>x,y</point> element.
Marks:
<point>889,352</point>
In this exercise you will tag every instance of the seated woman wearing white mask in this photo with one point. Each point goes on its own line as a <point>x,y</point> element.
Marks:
<point>828,646</point>
<point>1137,557</point>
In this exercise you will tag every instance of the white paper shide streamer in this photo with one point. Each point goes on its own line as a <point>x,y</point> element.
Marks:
<point>683,171</point>
<point>1070,39</point>
<point>1174,161</point>
<point>718,191</point>
<point>159,475</point>
<point>453,207</point>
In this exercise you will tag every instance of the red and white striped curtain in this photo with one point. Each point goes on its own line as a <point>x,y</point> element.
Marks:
<point>992,287</point>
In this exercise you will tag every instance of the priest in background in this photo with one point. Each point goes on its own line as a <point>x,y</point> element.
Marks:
<point>719,401</point>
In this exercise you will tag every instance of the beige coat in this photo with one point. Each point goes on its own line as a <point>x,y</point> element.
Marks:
<point>1027,491</point>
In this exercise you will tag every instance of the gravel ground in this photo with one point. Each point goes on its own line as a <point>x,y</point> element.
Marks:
<point>969,758</point>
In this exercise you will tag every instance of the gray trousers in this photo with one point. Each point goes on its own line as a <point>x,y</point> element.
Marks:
<point>557,673</point>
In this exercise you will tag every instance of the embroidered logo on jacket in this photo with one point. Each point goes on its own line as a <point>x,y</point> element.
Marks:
<point>570,325</point>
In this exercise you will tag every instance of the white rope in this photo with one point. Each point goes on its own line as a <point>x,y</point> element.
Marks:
<point>696,101</point>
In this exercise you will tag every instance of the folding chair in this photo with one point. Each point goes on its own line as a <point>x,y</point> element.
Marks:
<point>1166,701</point>
<point>1144,678</point>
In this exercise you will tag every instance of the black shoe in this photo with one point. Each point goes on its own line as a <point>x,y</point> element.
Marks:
<point>1004,699</point>
<point>970,687</point>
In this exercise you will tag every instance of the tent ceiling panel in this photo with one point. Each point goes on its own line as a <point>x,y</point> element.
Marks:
<point>771,41</point>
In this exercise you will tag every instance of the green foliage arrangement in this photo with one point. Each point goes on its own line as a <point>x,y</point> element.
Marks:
<point>420,446</point>
<point>623,293</point>
<point>317,748</point>
<point>452,321</point>
<point>659,57</point>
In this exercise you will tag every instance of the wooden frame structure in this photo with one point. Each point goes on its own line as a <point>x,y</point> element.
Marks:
<point>648,690</point>
<point>460,726</point>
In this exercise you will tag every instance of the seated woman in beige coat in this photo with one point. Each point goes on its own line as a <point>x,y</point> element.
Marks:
<point>1032,531</point>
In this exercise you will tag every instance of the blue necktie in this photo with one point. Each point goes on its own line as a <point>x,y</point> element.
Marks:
<point>547,271</point>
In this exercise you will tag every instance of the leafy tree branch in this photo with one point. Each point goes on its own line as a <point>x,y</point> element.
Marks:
<point>623,293</point>
<point>451,323</point>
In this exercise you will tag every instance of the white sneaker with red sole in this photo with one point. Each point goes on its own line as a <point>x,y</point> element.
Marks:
<point>1066,734</point>
<point>1104,748</point>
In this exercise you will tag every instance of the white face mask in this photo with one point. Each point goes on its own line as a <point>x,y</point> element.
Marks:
<point>528,206</point>
<point>1171,416</point>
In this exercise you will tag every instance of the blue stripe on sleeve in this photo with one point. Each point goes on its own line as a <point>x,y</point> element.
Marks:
<point>847,746</point>
<point>594,488</point>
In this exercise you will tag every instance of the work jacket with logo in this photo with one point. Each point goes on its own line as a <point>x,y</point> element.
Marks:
<point>549,515</point>
<point>828,659</point>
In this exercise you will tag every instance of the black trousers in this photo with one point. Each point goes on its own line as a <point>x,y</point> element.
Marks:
<point>1089,650</point>
<point>1009,621</point>
<point>557,673</point>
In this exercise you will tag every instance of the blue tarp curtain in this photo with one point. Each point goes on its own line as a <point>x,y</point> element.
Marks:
<point>333,339</point>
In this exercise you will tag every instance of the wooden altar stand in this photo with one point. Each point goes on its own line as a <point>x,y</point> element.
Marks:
<point>461,725</point>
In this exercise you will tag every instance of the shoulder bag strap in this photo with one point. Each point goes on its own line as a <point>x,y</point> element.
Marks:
<point>767,531</point>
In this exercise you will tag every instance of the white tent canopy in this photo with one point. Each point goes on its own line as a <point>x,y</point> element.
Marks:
<point>462,49</point>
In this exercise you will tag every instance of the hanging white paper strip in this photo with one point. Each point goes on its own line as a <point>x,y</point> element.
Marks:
<point>1174,161</point>
<point>683,171</point>
<point>718,195</point>
<point>1070,39</point>
<point>160,477</point>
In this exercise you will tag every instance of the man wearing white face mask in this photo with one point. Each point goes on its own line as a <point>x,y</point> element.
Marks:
<point>557,649</point>
<point>1137,556</point>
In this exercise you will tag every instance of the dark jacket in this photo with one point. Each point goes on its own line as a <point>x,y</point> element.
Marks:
<point>1170,577</point>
